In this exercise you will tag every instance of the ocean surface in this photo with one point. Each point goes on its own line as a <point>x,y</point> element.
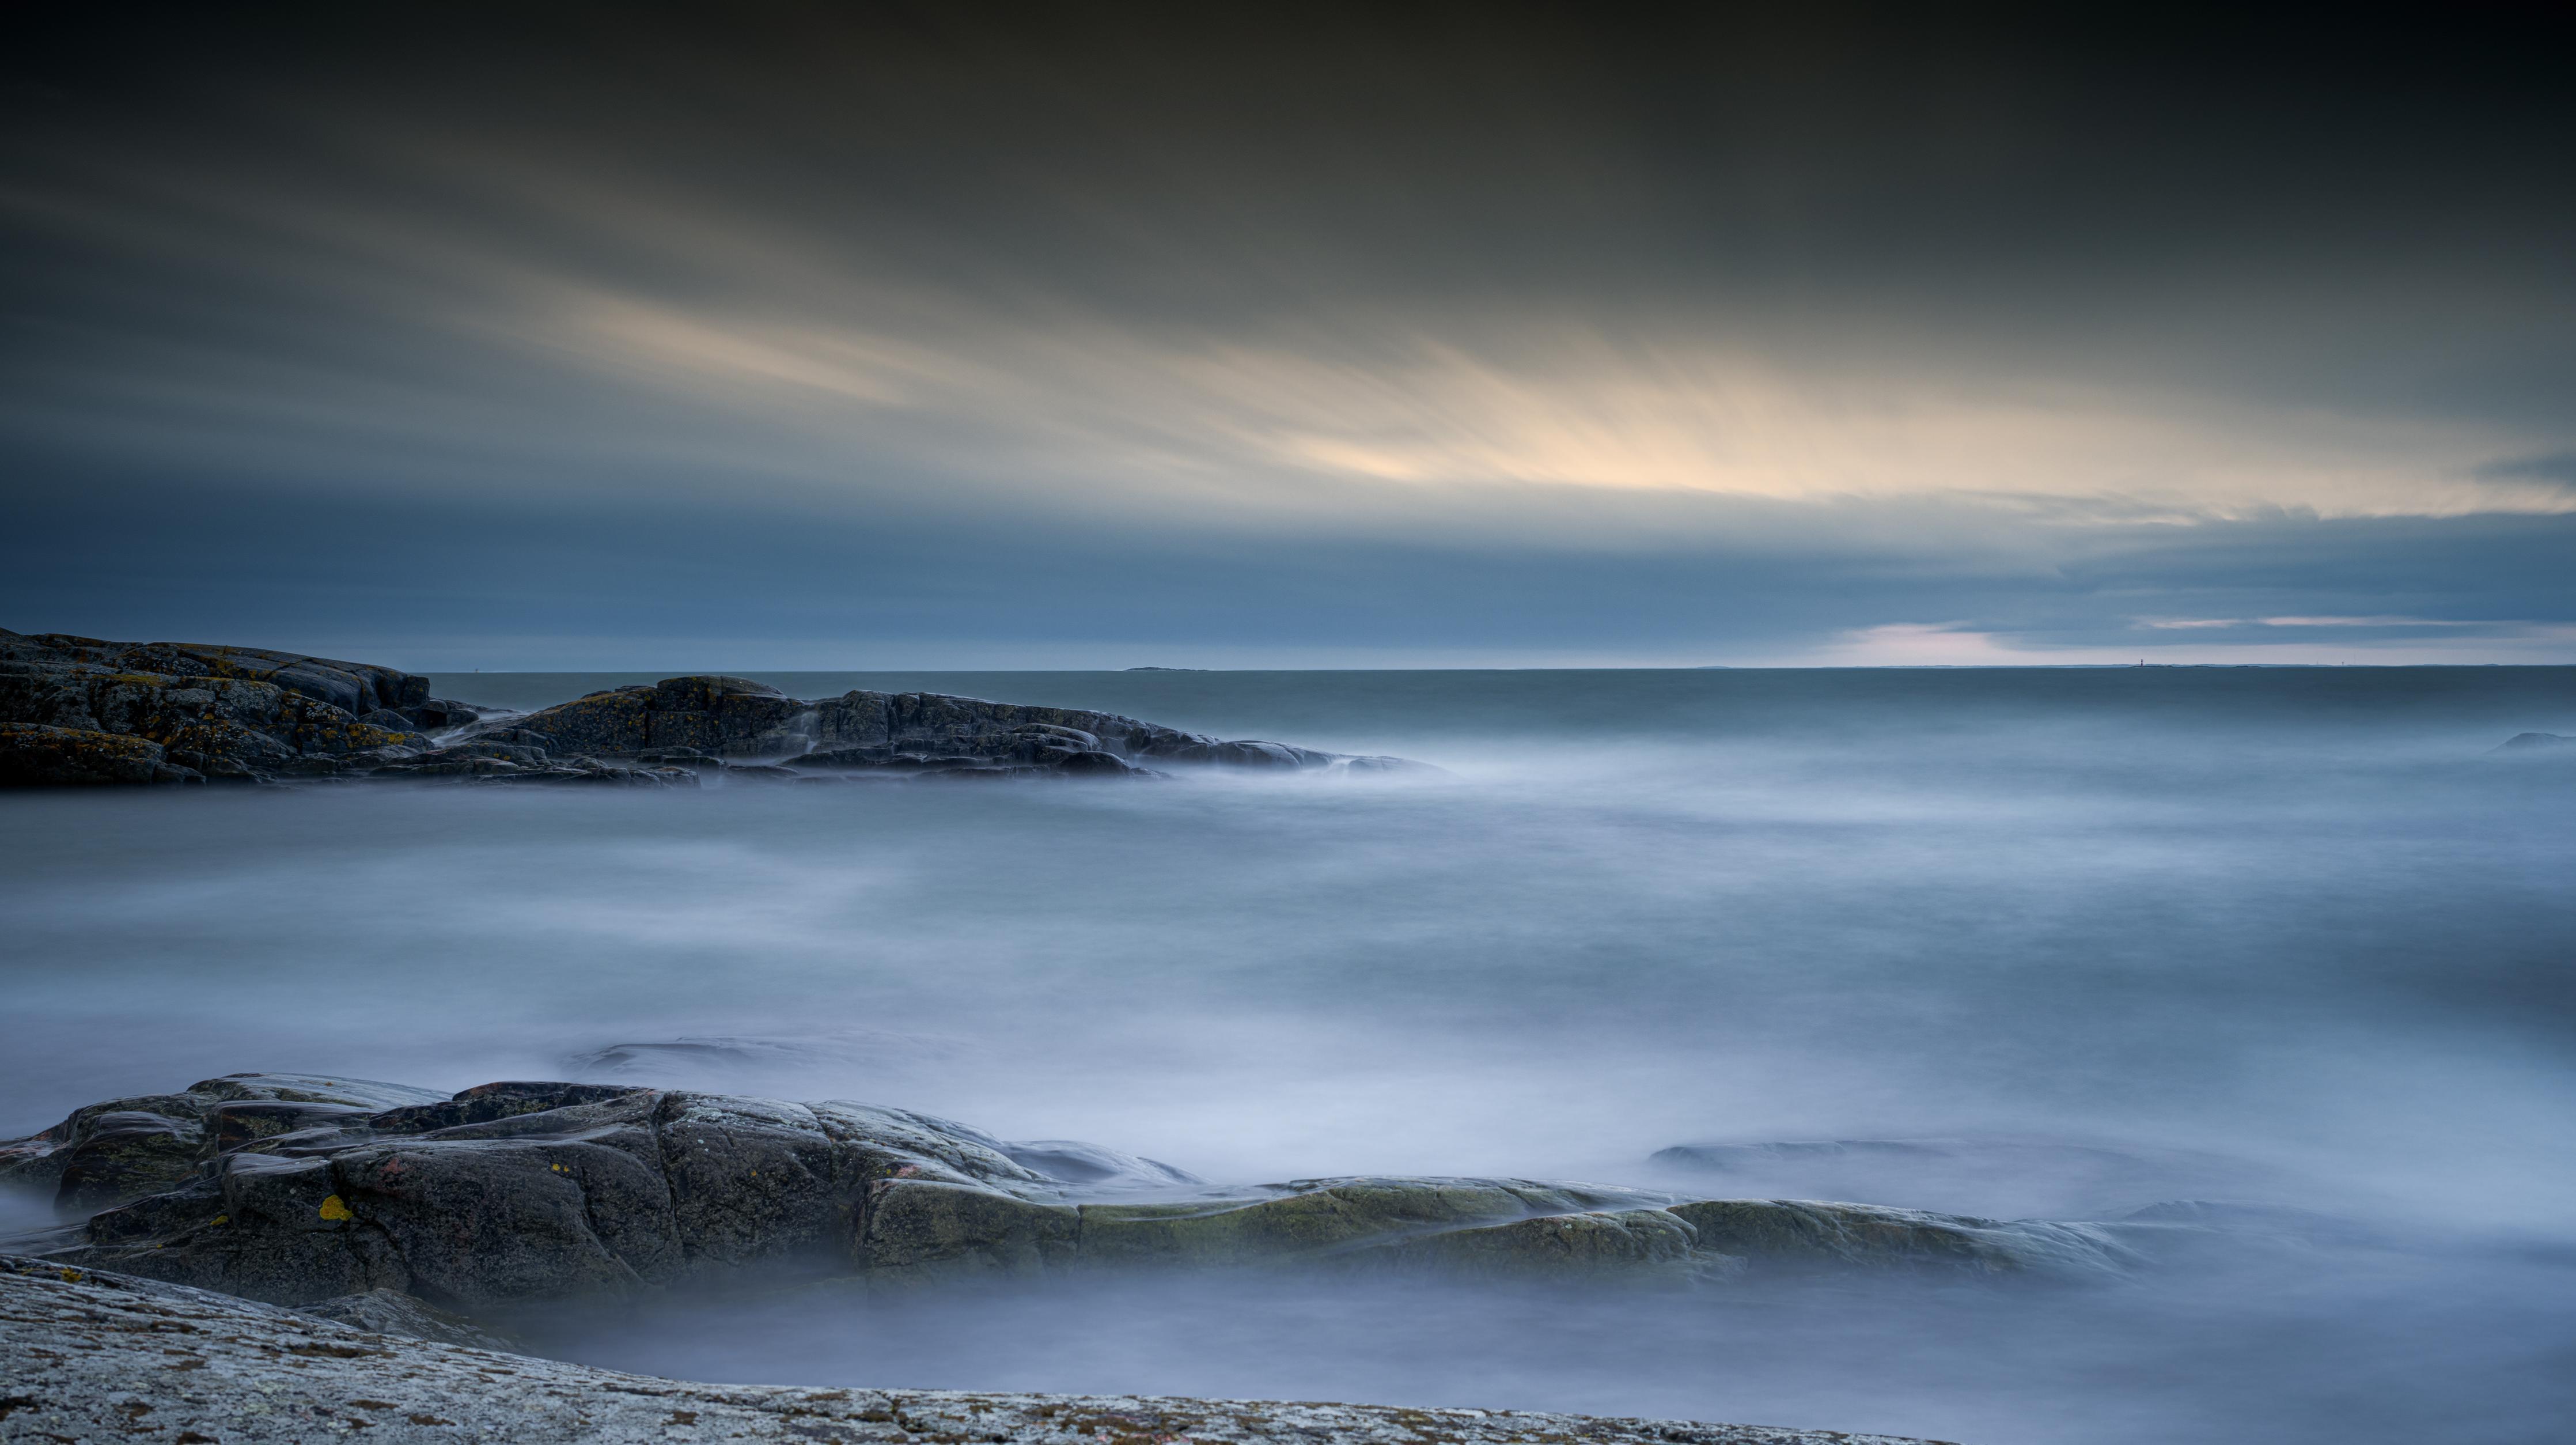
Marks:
<point>2079,940</point>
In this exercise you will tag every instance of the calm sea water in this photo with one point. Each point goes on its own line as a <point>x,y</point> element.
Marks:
<point>2279,936</point>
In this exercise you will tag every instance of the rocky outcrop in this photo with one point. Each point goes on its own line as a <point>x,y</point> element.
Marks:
<point>685,718</point>
<point>122,1149</point>
<point>79,710</point>
<point>102,1356</point>
<point>75,710</point>
<point>293,1189</point>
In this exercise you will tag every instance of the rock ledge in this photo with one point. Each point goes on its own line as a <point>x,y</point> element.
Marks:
<point>98,1356</point>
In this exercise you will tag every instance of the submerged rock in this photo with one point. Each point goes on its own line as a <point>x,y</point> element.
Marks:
<point>293,1190</point>
<point>1075,1162</point>
<point>99,1355</point>
<point>2018,1176</point>
<point>2543,743</point>
<point>1804,1234</point>
<point>744,1063</point>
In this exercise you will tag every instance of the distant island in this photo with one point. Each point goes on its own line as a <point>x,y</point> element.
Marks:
<point>78,710</point>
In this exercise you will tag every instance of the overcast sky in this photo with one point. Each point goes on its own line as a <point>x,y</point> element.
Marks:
<point>766,336</point>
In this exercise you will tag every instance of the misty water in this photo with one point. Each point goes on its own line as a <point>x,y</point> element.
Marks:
<point>2091,939</point>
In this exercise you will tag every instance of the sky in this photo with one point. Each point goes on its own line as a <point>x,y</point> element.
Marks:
<point>775,335</point>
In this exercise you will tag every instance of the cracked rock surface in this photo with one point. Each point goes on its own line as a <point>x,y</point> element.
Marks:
<point>88,1356</point>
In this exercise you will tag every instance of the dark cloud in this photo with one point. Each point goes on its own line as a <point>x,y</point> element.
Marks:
<point>480,326</point>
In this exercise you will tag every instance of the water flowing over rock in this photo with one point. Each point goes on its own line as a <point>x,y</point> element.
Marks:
<point>76,711</point>
<point>98,1355</point>
<point>296,1189</point>
<point>2017,1176</point>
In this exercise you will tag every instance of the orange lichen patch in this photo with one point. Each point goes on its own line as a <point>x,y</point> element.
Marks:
<point>334,1208</point>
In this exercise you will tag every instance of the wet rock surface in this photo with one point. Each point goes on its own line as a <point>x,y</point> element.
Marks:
<point>2013,1176</point>
<point>80,711</point>
<point>99,1356</point>
<point>295,1189</point>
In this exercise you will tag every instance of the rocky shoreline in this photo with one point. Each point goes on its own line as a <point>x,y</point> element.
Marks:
<point>266,1257</point>
<point>101,1356</point>
<point>78,711</point>
<point>305,1191</point>
<point>329,1249</point>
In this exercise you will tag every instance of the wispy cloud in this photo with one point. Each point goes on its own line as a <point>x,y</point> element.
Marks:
<point>2182,624</point>
<point>888,329</point>
<point>1547,403</point>
<point>1968,645</point>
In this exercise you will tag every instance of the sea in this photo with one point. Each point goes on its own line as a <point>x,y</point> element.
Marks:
<point>2018,943</point>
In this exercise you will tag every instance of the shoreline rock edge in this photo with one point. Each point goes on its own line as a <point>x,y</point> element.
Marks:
<point>100,1356</point>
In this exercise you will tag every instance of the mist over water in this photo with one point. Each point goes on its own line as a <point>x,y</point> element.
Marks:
<point>2089,939</point>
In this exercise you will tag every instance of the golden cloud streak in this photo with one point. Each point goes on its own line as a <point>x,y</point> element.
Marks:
<point>1563,407</point>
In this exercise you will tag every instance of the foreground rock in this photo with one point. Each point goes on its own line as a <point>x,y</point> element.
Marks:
<point>100,1356</point>
<point>293,1190</point>
<point>76,710</point>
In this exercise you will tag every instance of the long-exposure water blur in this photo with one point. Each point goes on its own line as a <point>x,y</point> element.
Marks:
<point>2062,944</point>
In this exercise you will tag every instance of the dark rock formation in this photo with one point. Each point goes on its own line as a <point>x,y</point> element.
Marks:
<point>104,1356</point>
<point>33,755</point>
<point>122,1149</point>
<point>75,710</point>
<point>78,710</point>
<point>293,1190</point>
<point>913,732</point>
